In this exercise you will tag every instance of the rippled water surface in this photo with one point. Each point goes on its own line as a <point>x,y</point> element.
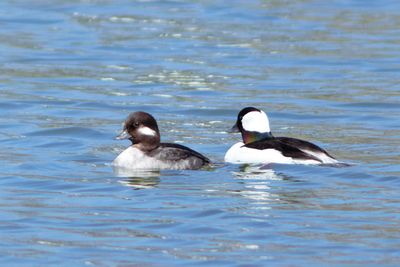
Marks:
<point>324,71</point>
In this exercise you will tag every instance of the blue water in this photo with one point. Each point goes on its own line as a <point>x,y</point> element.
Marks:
<point>324,71</point>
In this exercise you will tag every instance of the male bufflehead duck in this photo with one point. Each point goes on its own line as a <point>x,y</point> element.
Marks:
<point>146,151</point>
<point>260,146</point>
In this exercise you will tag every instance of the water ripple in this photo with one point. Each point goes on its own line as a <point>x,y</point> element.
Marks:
<point>324,71</point>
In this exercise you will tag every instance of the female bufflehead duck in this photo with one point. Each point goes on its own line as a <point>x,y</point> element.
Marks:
<point>146,151</point>
<point>260,146</point>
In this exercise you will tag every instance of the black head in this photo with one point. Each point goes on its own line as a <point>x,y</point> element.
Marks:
<point>141,128</point>
<point>253,124</point>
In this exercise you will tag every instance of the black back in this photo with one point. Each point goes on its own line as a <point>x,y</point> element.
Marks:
<point>289,147</point>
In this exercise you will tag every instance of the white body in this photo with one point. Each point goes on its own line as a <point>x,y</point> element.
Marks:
<point>240,154</point>
<point>134,159</point>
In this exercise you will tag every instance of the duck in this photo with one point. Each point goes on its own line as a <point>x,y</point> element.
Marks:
<point>259,146</point>
<point>148,153</point>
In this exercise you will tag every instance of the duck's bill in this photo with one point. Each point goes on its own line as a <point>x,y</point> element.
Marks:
<point>234,129</point>
<point>123,135</point>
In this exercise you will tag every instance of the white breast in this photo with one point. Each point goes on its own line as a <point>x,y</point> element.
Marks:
<point>240,154</point>
<point>133,158</point>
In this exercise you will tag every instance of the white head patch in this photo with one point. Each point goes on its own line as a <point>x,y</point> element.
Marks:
<point>256,121</point>
<point>147,131</point>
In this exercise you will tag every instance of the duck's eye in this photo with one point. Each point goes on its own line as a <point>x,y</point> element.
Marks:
<point>136,124</point>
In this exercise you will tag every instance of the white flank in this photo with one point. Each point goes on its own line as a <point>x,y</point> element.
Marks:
<point>322,156</point>
<point>240,154</point>
<point>255,121</point>
<point>147,131</point>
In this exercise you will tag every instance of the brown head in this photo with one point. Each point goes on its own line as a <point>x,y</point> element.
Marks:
<point>141,128</point>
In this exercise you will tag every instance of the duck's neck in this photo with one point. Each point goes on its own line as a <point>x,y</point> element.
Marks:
<point>146,147</point>
<point>250,137</point>
<point>148,143</point>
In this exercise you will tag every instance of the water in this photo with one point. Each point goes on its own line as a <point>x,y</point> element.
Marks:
<point>325,71</point>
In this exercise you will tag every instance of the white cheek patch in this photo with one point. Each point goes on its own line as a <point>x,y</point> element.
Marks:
<point>256,121</point>
<point>147,131</point>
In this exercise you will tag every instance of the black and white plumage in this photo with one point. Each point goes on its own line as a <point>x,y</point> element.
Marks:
<point>260,146</point>
<point>146,151</point>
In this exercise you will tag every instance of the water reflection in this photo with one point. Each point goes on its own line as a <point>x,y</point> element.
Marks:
<point>141,182</point>
<point>150,178</point>
<point>264,172</point>
<point>256,180</point>
<point>138,179</point>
